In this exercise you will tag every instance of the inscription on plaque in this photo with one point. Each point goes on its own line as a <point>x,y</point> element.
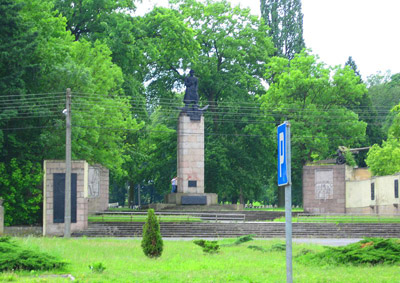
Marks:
<point>192,184</point>
<point>324,184</point>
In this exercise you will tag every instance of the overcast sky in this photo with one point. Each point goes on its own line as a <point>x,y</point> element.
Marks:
<point>367,30</point>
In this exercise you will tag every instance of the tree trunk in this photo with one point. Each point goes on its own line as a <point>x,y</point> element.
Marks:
<point>281,197</point>
<point>241,196</point>
<point>131,194</point>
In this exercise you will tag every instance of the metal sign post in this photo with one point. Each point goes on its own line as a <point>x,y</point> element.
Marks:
<point>284,179</point>
<point>67,212</point>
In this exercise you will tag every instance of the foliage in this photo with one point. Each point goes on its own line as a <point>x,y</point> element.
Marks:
<point>285,19</point>
<point>244,239</point>
<point>240,240</point>
<point>232,52</point>
<point>316,100</point>
<point>15,257</point>
<point>368,251</point>
<point>90,17</point>
<point>384,91</point>
<point>368,113</point>
<point>210,247</point>
<point>97,267</point>
<point>152,243</point>
<point>277,247</point>
<point>20,187</point>
<point>349,158</point>
<point>385,159</point>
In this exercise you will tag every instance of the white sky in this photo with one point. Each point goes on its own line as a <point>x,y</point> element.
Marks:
<point>367,30</point>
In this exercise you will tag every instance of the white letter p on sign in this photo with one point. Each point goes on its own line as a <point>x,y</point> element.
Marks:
<point>281,152</point>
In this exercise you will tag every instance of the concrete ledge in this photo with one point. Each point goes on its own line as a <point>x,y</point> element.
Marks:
<point>23,231</point>
<point>176,198</point>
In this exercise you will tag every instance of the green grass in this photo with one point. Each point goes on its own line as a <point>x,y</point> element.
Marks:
<point>183,261</point>
<point>141,218</point>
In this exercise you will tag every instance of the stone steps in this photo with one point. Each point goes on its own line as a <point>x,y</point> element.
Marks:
<point>262,230</point>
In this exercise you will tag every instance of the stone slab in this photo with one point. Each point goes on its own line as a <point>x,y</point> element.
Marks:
<point>176,198</point>
<point>194,200</point>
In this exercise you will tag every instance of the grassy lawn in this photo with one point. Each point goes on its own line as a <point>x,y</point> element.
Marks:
<point>183,261</point>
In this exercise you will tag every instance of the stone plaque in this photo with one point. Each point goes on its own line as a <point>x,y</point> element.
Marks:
<point>94,182</point>
<point>59,197</point>
<point>194,200</point>
<point>324,184</point>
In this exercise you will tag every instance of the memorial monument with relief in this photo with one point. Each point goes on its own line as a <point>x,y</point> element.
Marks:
<point>190,164</point>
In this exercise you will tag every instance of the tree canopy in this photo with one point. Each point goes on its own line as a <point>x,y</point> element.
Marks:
<point>285,20</point>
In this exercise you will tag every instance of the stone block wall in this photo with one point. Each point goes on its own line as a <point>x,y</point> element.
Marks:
<point>98,188</point>
<point>324,189</point>
<point>58,166</point>
<point>190,161</point>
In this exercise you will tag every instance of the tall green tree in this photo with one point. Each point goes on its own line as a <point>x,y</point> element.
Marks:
<point>367,113</point>
<point>315,99</point>
<point>233,50</point>
<point>43,61</point>
<point>384,159</point>
<point>385,94</point>
<point>89,18</point>
<point>285,19</point>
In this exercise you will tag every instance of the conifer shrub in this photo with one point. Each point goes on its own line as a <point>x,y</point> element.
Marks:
<point>210,247</point>
<point>152,243</point>
<point>240,240</point>
<point>14,257</point>
<point>244,239</point>
<point>368,251</point>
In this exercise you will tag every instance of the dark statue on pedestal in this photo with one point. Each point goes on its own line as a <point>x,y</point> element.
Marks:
<point>191,95</point>
<point>191,98</point>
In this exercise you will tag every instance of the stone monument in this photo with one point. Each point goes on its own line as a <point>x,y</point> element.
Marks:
<point>89,194</point>
<point>190,164</point>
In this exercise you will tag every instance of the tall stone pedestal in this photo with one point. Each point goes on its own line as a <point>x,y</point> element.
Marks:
<point>191,164</point>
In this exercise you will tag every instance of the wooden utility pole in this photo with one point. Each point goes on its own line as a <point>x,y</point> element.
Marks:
<point>67,212</point>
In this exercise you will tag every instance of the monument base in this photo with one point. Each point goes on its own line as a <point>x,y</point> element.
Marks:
<point>191,199</point>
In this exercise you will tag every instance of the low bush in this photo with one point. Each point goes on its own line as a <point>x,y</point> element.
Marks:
<point>368,251</point>
<point>240,240</point>
<point>97,267</point>
<point>244,239</point>
<point>279,247</point>
<point>210,247</point>
<point>14,257</point>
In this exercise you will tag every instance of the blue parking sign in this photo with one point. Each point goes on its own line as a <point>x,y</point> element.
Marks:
<point>282,155</point>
